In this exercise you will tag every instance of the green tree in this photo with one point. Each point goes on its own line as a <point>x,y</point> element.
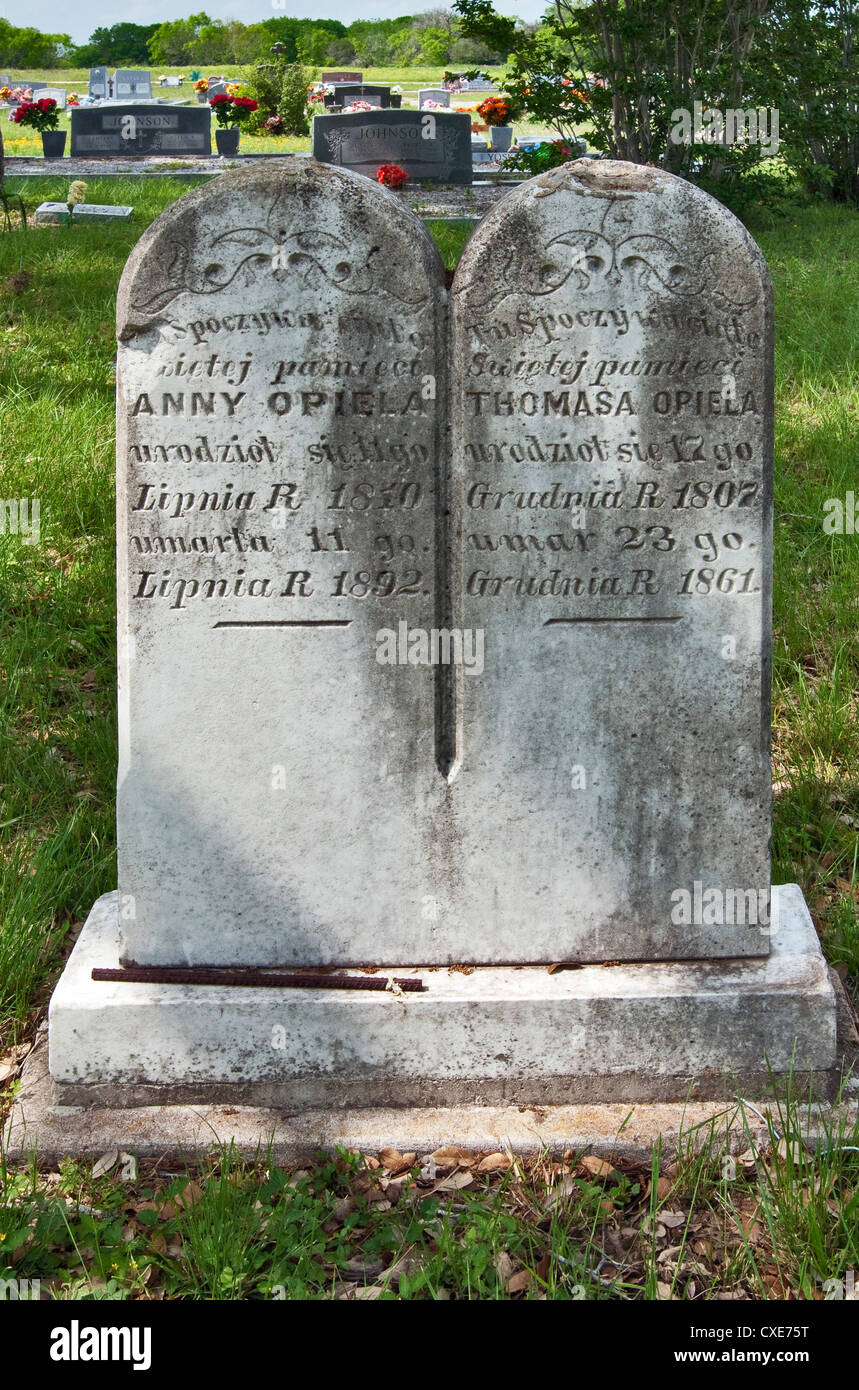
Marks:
<point>173,43</point>
<point>807,66</point>
<point>28,48</point>
<point>624,66</point>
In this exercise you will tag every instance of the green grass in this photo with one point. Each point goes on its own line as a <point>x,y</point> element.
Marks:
<point>57,770</point>
<point>777,1220</point>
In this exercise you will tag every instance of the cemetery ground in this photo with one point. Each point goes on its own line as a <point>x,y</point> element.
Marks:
<point>777,1221</point>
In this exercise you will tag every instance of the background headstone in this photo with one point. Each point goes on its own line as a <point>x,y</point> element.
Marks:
<point>281,402</point>
<point>428,145</point>
<point>346,92</point>
<point>58,94</point>
<point>137,129</point>
<point>132,83</point>
<point>98,82</point>
<point>437,94</point>
<point>217,87</point>
<point>342,77</point>
<point>613,448</point>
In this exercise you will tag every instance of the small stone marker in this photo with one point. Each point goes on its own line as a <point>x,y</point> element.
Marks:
<point>49,214</point>
<point>98,83</point>
<point>132,83</point>
<point>427,144</point>
<point>127,130</point>
<point>439,95</point>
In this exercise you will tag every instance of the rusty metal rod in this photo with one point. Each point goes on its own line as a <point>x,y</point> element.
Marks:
<point>215,975</point>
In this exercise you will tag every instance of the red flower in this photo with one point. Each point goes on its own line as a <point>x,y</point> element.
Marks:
<point>219,100</point>
<point>391,175</point>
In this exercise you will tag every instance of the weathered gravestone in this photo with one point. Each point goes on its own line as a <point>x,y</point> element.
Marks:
<point>428,145</point>
<point>132,84</point>
<point>342,77</point>
<point>98,83</point>
<point>305,780</point>
<point>57,94</point>
<point>439,95</point>
<point>114,129</point>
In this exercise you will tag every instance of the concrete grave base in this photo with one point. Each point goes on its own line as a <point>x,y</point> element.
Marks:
<point>482,1035</point>
<point>605,1058</point>
<point>179,1133</point>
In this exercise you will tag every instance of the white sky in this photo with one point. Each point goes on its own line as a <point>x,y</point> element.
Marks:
<point>80,19</point>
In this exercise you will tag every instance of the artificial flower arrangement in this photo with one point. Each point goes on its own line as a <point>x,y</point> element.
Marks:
<point>431,105</point>
<point>5,93</point>
<point>495,111</point>
<point>232,111</point>
<point>391,176</point>
<point>73,99</point>
<point>21,94</point>
<point>274,125</point>
<point>359,106</point>
<point>201,85</point>
<point>41,114</point>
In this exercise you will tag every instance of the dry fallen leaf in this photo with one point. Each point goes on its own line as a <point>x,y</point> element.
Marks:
<point>672,1218</point>
<point>394,1161</point>
<point>517,1283</point>
<point>189,1196</point>
<point>495,1163</point>
<point>597,1167</point>
<point>105,1163</point>
<point>452,1156</point>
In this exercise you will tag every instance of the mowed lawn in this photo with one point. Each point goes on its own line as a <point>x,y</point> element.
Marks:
<point>782,1224</point>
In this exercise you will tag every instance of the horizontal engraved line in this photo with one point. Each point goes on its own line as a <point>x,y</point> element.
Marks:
<point>288,622</point>
<point>550,621</point>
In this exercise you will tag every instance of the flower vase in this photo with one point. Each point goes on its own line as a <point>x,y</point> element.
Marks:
<point>227,140</point>
<point>53,143</point>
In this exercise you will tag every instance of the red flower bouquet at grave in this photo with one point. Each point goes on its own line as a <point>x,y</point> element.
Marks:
<point>41,114</point>
<point>231,111</point>
<point>391,176</point>
<point>495,111</point>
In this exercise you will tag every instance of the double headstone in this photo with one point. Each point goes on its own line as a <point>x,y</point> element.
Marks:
<point>134,128</point>
<point>347,92</point>
<point>427,144</point>
<point>429,663</point>
<point>132,84</point>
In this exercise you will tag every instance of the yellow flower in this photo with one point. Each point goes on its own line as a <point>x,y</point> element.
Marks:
<point>77,193</point>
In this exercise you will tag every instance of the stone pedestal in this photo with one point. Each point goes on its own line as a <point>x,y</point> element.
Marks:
<point>491,1035</point>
